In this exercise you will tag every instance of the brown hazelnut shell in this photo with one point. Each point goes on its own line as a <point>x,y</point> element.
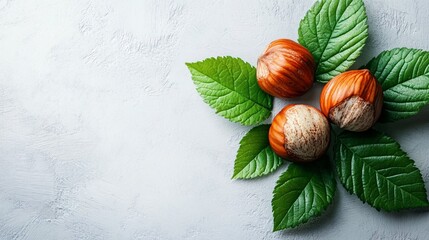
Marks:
<point>353,100</point>
<point>299,133</point>
<point>285,69</point>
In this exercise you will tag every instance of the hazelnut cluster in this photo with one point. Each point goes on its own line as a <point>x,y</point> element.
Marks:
<point>352,100</point>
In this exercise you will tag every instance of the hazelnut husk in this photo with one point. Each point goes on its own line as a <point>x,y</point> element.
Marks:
<point>352,100</point>
<point>286,69</point>
<point>299,133</point>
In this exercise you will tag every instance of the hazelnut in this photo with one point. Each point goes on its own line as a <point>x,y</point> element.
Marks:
<point>299,133</point>
<point>352,100</point>
<point>286,69</point>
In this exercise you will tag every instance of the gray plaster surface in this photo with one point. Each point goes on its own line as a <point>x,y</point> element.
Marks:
<point>103,136</point>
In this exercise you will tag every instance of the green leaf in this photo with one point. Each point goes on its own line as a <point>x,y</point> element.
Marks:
<point>373,166</point>
<point>255,157</point>
<point>229,86</point>
<point>301,193</point>
<point>334,31</point>
<point>404,75</point>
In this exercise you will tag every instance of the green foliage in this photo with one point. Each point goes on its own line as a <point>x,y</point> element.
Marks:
<point>334,31</point>
<point>301,193</point>
<point>373,166</point>
<point>229,86</point>
<point>255,157</point>
<point>404,75</point>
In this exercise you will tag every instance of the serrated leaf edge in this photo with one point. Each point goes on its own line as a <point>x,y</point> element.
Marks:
<point>313,216</point>
<point>377,208</point>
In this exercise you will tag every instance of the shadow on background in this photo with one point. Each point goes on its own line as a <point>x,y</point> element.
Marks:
<point>405,126</point>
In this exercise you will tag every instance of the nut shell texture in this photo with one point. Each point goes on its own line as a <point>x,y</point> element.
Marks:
<point>286,69</point>
<point>352,100</point>
<point>299,133</point>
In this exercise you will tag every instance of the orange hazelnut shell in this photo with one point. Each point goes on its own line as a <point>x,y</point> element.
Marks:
<point>277,138</point>
<point>359,83</point>
<point>286,69</point>
<point>276,134</point>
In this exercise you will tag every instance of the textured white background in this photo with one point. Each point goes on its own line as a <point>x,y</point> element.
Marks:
<point>103,136</point>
